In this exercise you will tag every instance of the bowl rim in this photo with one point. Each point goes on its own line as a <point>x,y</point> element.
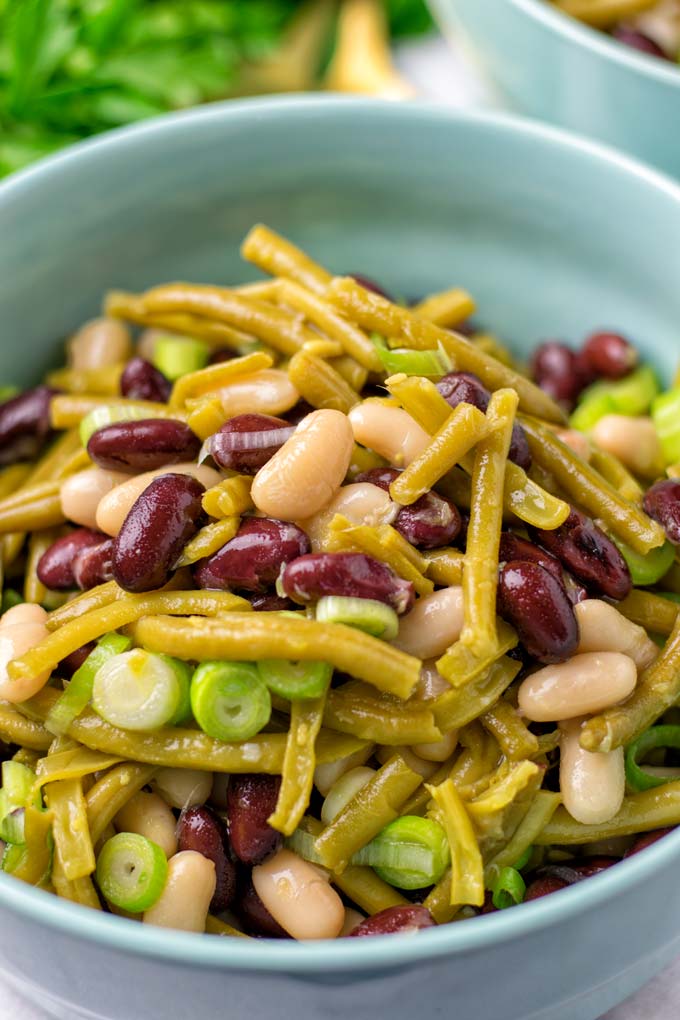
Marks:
<point>599,43</point>
<point>385,952</point>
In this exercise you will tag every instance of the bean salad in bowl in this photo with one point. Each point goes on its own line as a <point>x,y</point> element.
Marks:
<point>648,26</point>
<point>322,617</point>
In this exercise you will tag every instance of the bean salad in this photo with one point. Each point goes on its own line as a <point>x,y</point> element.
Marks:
<point>651,27</point>
<point>324,617</point>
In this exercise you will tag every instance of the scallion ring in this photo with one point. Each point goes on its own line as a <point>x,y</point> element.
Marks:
<point>410,853</point>
<point>230,700</point>
<point>509,889</point>
<point>131,872</point>
<point>295,680</point>
<point>373,617</point>
<point>141,691</point>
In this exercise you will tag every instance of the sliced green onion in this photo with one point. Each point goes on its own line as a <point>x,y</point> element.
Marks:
<point>368,615</point>
<point>10,598</point>
<point>12,856</point>
<point>79,691</point>
<point>11,823</point>
<point>302,844</point>
<point>18,783</point>
<point>433,364</point>
<point>666,418</point>
<point>410,853</point>
<point>648,569</point>
<point>657,736</point>
<point>508,889</point>
<point>108,414</point>
<point>631,396</point>
<point>176,356</point>
<point>230,700</point>
<point>138,690</point>
<point>131,872</point>
<point>295,680</point>
<point>7,392</point>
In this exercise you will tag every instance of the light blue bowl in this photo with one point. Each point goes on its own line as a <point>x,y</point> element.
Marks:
<point>555,236</point>
<point>552,67</point>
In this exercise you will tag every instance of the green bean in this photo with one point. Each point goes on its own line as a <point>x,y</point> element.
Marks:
<point>15,728</point>
<point>68,410</point>
<point>461,705</point>
<point>641,812</point>
<point>12,478</point>
<point>448,308</point>
<point>34,863</point>
<point>210,380</point>
<point>112,792</point>
<point>38,544</point>
<point>320,384</point>
<point>95,598</point>
<point>462,430</point>
<point>72,839</point>
<point>656,614</point>
<point>466,874</point>
<point>278,257</point>
<point>590,490</point>
<point>417,803</point>
<point>73,763</point>
<point>461,666</point>
<point>515,739</point>
<point>542,809</point>
<point>658,688</point>
<point>120,305</point>
<point>444,566</point>
<point>70,636</point>
<point>476,762</point>
<point>379,718</point>
<point>79,890</point>
<point>209,540</point>
<point>369,811</point>
<point>229,498</point>
<point>269,636</point>
<point>375,313</point>
<point>216,926</point>
<point>384,543</point>
<point>299,762</point>
<point>32,509</point>
<point>613,471</point>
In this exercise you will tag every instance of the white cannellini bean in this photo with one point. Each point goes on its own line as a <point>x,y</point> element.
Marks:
<point>149,815</point>
<point>343,790</point>
<point>438,750</point>
<point>296,896</point>
<point>114,507</point>
<point>389,431</point>
<point>633,440</point>
<point>430,682</point>
<point>183,788</point>
<point>360,503</point>
<point>98,344</point>
<point>326,775</point>
<point>25,612</point>
<point>185,900</point>
<point>82,493</point>
<point>268,391</point>
<point>586,683</point>
<point>602,628</point>
<point>434,623</point>
<point>592,784</point>
<point>18,634</point>
<point>306,473</point>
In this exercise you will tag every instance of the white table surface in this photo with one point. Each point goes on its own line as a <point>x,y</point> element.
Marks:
<point>444,78</point>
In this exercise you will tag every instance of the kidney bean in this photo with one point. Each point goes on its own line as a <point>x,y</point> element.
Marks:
<point>513,547</point>
<point>431,522</point>
<point>160,523</point>
<point>464,387</point>
<point>541,887</point>
<point>220,355</point>
<point>592,558</point>
<point>251,799</point>
<point>253,559</point>
<point>638,40</point>
<point>608,355</point>
<point>536,604</point>
<point>143,445</point>
<point>310,577</point>
<point>662,502</point>
<point>270,602</point>
<point>24,424</point>
<point>395,921</point>
<point>247,441</point>
<point>380,476</point>
<point>55,566</point>
<point>642,842</point>
<point>142,381</point>
<point>559,371</point>
<point>94,565</point>
<point>68,666</point>
<point>369,284</point>
<point>255,917</point>
<point>203,830</point>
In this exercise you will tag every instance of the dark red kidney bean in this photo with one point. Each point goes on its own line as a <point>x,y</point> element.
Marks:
<point>55,566</point>
<point>662,502</point>
<point>369,284</point>
<point>142,381</point>
<point>536,604</point>
<point>639,41</point>
<point>68,666</point>
<point>201,829</point>
<point>464,387</point>
<point>255,917</point>
<point>309,578</point>
<point>431,522</point>
<point>220,355</point>
<point>270,602</point>
<point>395,921</point>
<point>609,355</point>
<point>541,887</point>
<point>253,559</point>
<point>513,547</point>
<point>94,565</point>
<point>247,441</point>
<point>24,424</point>
<point>380,476</point>
<point>642,842</point>
<point>251,799</point>
<point>143,445</point>
<point>592,558</point>
<point>160,523</point>
<point>559,371</point>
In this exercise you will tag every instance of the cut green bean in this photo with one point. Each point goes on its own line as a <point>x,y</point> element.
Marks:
<point>299,762</point>
<point>641,812</point>
<point>466,872</point>
<point>72,837</point>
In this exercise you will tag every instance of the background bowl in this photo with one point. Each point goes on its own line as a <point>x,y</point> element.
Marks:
<point>555,237</point>
<point>553,67</point>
